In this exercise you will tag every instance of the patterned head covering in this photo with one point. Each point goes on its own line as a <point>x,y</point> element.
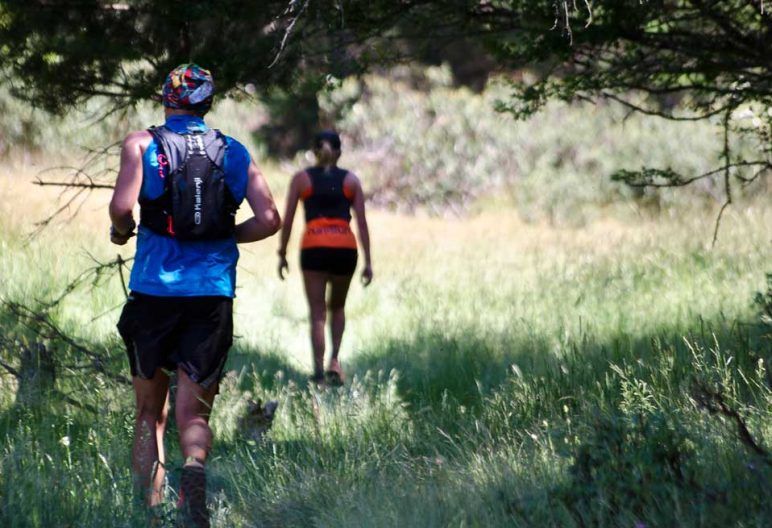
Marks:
<point>189,87</point>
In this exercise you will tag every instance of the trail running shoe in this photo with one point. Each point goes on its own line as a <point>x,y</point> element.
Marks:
<point>334,374</point>
<point>334,378</point>
<point>160,516</point>
<point>193,498</point>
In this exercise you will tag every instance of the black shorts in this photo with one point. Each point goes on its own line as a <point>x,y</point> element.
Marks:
<point>191,333</point>
<point>335,261</point>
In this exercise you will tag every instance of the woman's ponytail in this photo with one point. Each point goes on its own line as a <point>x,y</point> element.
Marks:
<point>325,155</point>
<point>327,148</point>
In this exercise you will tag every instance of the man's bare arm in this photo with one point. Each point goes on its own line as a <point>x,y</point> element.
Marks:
<point>127,186</point>
<point>266,220</point>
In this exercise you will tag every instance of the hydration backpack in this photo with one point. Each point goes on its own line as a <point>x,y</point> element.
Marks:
<point>196,203</point>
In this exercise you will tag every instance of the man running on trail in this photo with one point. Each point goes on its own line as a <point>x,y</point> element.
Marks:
<point>189,180</point>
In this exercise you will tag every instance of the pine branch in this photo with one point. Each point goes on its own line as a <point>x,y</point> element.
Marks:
<point>95,274</point>
<point>290,27</point>
<point>40,323</point>
<point>657,113</point>
<point>73,185</point>
<point>15,373</point>
<point>726,154</point>
<point>714,402</point>
<point>82,184</point>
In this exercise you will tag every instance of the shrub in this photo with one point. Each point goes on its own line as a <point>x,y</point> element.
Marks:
<point>426,144</point>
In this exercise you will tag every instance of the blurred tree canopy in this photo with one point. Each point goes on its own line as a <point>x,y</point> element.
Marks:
<point>710,56</point>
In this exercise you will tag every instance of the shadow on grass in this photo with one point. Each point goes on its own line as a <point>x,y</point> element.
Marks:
<point>465,365</point>
<point>458,366</point>
<point>268,367</point>
<point>433,365</point>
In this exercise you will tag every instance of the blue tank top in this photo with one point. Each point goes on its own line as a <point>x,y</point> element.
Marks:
<point>167,267</point>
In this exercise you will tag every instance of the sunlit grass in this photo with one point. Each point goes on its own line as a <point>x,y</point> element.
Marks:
<point>503,374</point>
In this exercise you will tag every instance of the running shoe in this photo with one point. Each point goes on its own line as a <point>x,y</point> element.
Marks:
<point>192,501</point>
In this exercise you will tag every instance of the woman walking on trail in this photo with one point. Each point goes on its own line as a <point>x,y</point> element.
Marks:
<point>189,180</point>
<point>328,254</point>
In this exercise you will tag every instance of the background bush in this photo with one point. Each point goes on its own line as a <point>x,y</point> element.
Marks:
<point>419,142</point>
<point>30,134</point>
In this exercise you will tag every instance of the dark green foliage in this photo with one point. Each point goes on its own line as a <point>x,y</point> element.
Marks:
<point>630,462</point>
<point>714,51</point>
<point>62,53</point>
<point>650,178</point>
<point>764,302</point>
<point>293,119</point>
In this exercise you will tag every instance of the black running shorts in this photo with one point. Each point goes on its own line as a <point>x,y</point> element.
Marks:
<point>191,333</point>
<point>335,261</point>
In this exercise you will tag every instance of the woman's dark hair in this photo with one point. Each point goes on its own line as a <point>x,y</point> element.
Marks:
<point>327,147</point>
<point>328,136</point>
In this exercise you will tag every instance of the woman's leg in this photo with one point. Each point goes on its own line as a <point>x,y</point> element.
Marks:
<point>338,293</point>
<point>152,397</point>
<point>316,283</point>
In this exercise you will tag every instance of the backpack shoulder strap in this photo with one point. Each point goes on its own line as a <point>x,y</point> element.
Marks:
<point>170,144</point>
<point>215,146</point>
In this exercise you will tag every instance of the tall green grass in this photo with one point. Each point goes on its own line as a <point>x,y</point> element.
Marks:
<point>502,374</point>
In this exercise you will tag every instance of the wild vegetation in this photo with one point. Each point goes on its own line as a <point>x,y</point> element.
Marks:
<point>547,347</point>
<point>422,143</point>
<point>503,372</point>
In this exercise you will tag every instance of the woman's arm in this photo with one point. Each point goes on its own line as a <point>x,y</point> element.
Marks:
<point>266,220</point>
<point>364,233</point>
<point>127,187</point>
<point>293,196</point>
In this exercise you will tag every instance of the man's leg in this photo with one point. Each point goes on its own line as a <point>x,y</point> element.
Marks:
<point>152,396</point>
<point>193,404</point>
<point>316,283</point>
<point>337,305</point>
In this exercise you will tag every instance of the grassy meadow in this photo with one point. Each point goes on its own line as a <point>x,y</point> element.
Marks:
<point>501,373</point>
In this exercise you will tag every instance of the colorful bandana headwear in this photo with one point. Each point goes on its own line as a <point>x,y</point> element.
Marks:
<point>189,87</point>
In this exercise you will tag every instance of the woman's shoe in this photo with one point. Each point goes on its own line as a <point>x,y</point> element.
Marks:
<point>334,374</point>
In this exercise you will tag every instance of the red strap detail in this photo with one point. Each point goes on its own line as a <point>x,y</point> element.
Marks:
<point>170,225</point>
<point>162,162</point>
